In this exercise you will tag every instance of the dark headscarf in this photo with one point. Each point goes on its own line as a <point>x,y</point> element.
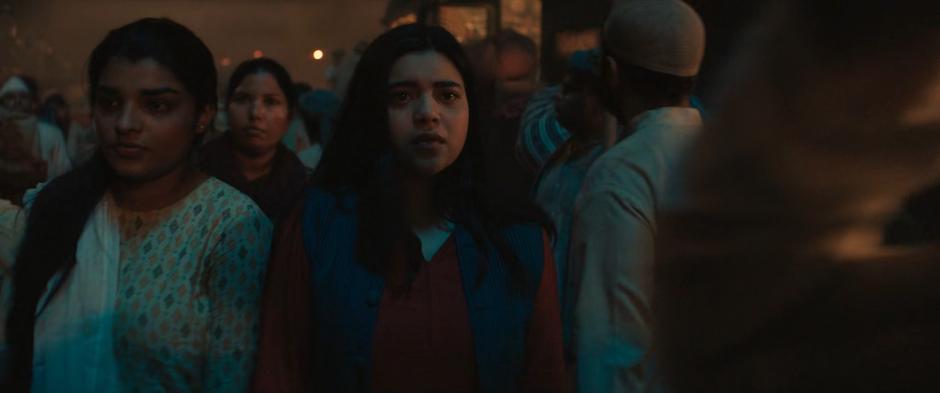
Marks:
<point>274,193</point>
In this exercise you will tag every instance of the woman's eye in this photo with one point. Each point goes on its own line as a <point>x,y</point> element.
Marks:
<point>158,106</point>
<point>240,99</point>
<point>108,104</point>
<point>399,97</point>
<point>449,96</point>
<point>271,102</point>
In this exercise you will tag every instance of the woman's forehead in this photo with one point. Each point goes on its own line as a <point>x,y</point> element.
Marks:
<point>424,67</point>
<point>261,81</point>
<point>146,74</point>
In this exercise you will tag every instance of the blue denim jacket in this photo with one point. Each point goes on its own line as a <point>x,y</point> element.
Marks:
<point>346,297</point>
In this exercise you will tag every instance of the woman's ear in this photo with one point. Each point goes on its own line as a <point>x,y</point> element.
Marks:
<point>205,119</point>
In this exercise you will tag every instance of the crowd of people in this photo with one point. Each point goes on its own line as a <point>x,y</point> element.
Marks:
<point>442,221</point>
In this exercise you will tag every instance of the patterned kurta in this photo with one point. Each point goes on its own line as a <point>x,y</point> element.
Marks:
<point>190,282</point>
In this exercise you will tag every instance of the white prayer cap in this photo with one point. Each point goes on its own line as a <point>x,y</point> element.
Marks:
<point>666,36</point>
<point>14,85</point>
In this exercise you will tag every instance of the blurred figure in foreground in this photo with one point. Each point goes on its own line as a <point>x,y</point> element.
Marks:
<point>772,274</point>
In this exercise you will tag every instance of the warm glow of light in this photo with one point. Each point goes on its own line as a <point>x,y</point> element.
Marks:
<point>568,42</point>
<point>467,23</point>
<point>226,62</point>
<point>257,54</point>
<point>404,20</point>
<point>317,54</point>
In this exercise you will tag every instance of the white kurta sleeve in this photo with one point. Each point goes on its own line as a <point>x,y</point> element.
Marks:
<point>611,284</point>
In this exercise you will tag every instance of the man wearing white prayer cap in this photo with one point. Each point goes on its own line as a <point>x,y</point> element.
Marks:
<point>19,97</point>
<point>652,53</point>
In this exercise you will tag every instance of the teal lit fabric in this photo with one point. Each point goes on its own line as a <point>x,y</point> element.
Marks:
<point>191,277</point>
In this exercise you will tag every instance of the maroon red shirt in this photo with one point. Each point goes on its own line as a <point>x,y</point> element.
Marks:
<point>423,341</point>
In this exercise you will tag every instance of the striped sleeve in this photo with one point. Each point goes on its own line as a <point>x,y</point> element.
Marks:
<point>540,133</point>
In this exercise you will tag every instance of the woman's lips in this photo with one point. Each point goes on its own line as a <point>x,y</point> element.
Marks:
<point>128,150</point>
<point>428,138</point>
<point>428,142</point>
<point>256,132</point>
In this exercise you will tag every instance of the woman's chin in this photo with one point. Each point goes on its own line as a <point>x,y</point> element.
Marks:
<point>255,146</point>
<point>428,169</point>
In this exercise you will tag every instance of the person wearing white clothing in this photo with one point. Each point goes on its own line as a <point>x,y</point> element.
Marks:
<point>19,97</point>
<point>652,51</point>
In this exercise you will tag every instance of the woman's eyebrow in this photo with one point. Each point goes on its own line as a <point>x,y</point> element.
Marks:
<point>446,84</point>
<point>437,84</point>
<point>158,91</point>
<point>396,84</point>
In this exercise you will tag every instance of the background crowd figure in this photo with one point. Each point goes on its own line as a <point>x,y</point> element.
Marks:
<point>441,221</point>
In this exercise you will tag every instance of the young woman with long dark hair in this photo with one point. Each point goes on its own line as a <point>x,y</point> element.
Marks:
<point>137,271</point>
<point>396,274</point>
<point>250,156</point>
